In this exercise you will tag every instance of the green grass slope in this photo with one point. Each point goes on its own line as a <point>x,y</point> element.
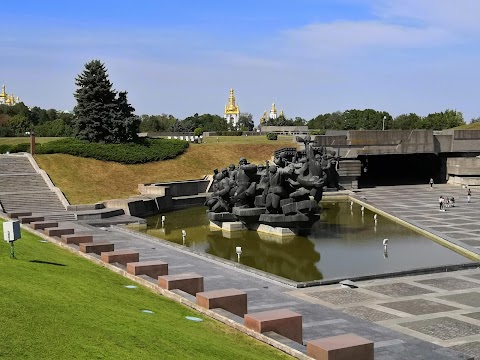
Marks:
<point>56,305</point>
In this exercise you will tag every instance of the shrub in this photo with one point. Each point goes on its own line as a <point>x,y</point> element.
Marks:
<point>144,151</point>
<point>272,136</point>
<point>317,132</point>
<point>15,148</point>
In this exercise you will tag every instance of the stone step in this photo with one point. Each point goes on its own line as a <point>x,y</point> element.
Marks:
<point>23,189</point>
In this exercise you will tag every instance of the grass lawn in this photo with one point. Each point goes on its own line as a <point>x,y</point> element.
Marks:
<point>472,126</point>
<point>25,140</point>
<point>56,305</point>
<point>88,181</point>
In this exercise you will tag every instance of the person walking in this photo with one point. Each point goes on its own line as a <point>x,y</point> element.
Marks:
<point>469,195</point>
<point>441,202</point>
<point>431,182</point>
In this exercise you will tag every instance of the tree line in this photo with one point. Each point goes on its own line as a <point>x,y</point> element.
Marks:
<point>18,119</point>
<point>370,119</point>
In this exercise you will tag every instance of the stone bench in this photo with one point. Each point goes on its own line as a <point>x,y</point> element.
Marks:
<point>29,219</point>
<point>40,225</point>
<point>282,321</point>
<point>56,231</point>
<point>16,214</point>
<point>96,247</point>
<point>120,256</point>
<point>341,347</point>
<point>190,282</point>
<point>76,239</point>
<point>232,300</point>
<point>153,268</point>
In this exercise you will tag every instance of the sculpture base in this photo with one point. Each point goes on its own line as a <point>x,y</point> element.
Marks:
<point>274,230</point>
<point>221,217</point>
<point>228,225</point>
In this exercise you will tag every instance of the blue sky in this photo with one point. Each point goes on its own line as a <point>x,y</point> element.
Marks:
<point>308,56</point>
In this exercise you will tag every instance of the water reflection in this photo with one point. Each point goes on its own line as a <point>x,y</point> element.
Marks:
<point>350,244</point>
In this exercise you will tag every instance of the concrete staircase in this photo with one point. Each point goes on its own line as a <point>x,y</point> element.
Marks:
<point>24,188</point>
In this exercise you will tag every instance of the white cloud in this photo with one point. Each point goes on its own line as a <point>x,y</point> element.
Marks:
<point>350,36</point>
<point>459,15</point>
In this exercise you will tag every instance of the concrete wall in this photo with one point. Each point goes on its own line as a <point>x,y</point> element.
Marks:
<point>330,140</point>
<point>466,140</point>
<point>392,142</point>
<point>463,166</point>
<point>353,143</point>
<point>175,188</point>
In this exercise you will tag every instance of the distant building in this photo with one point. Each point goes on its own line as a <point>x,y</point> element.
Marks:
<point>271,116</point>
<point>232,111</point>
<point>8,99</point>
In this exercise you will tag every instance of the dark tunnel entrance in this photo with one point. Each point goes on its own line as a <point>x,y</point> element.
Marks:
<point>396,169</point>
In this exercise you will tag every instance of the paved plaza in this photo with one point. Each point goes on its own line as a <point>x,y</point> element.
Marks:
<point>419,206</point>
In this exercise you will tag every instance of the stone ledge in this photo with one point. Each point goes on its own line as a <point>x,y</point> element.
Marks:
<point>232,300</point>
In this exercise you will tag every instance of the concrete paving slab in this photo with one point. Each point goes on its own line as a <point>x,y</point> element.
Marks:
<point>398,289</point>
<point>470,298</point>
<point>449,283</point>
<point>418,306</point>
<point>443,328</point>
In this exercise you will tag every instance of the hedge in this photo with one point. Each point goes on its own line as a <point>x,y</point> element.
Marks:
<point>147,150</point>
<point>229,133</point>
<point>23,147</point>
<point>272,136</point>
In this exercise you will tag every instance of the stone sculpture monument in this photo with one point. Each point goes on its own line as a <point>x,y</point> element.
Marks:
<point>282,194</point>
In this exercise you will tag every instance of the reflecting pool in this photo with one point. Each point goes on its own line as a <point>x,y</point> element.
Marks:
<point>342,244</point>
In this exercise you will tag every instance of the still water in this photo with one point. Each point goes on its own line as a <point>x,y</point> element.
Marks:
<point>342,244</point>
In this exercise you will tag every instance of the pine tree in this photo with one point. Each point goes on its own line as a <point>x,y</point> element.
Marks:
<point>95,104</point>
<point>126,124</point>
<point>101,116</point>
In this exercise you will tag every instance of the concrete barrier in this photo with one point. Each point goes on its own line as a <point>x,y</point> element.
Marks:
<point>190,282</point>
<point>76,239</point>
<point>56,231</point>
<point>40,225</point>
<point>232,300</point>
<point>153,268</point>
<point>96,247</point>
<point>120,256</point>
<point>341,347</point>
<point>282,321</point>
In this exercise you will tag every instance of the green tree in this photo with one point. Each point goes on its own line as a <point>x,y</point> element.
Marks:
<point>299,121</point>
<point>101,116</point>
<point>53,128</point>
<point>245,122</point>
<point>38,115</point>
<point>125,125</point>
<point>333,121</point>
<point>156,123</point>
<point>443,120</point>
<point>96,103</point>
<point>52,114</point>
<point>407,122</point>
<point>19,124</point>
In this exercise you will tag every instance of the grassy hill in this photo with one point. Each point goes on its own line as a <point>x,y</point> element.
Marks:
<point>472,126</point>
<point>87,180</point>
<point>56,305</point>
